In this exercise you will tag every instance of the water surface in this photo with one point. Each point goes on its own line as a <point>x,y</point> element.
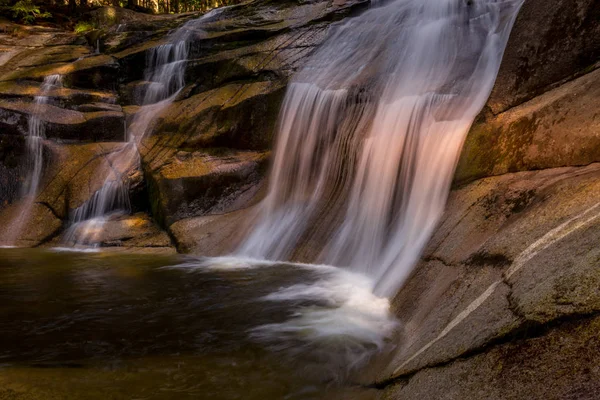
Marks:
<point>125,326</point>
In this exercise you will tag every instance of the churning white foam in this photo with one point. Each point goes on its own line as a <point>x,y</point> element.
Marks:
<point>334,317</point>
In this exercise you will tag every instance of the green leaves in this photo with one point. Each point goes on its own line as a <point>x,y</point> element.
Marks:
<point>28,12</point>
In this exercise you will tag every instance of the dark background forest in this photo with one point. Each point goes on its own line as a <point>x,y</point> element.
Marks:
<point>49,11</point>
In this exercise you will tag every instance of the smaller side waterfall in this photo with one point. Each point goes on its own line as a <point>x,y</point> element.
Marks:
<point>35,136</point>
<point>165,77</point>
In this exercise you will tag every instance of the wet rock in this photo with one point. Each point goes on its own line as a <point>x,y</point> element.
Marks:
<point>136,231</point>
<point>41,226</point>
<point>134,92</point>
<point>13,154</point>
<point>98,107</point>
<point>82,172</point>
<point>25,91</point>
<point>93,72</point>
<point>238,116</point>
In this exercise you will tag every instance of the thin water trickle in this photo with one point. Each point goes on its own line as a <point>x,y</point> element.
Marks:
<point>36,133</point>
<point>370,133</point>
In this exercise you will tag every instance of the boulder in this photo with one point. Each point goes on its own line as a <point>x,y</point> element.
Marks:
<point>134,232</point>
<point>213,235</point>
<point>204,183</point>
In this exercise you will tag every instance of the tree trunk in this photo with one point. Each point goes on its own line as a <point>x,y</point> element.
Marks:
<point>72,5</point>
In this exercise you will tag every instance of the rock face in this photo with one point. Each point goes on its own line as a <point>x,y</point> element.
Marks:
<point>514,257</point>
<point>552,41</point>
<point>526,124</point>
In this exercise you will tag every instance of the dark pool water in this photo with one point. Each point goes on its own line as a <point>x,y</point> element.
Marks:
<point>130,326</point>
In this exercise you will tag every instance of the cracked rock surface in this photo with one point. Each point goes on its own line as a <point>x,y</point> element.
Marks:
<point>514,267</point>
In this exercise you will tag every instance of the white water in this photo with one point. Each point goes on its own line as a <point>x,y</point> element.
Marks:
<point>165,75</point>
<point>370,132</point>
<point>36,133</point>
<point>343,330</point>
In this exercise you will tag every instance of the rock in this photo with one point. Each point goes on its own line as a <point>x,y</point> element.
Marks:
<point>98,107</point>
<point>136,231</point>
<point>204,183</point>
<point>84,169</point>
<point>63,124</point>
<point>64,97</point>
<point>134,92</point>
<point>559,128</point>
<point>212,235</point>
<point>40,57</point>
<point>93,72</point>
<point>238,116</point>
<point>28,224</point>
<point>560,363</point>
<point>13,155</point>
<point>512,254</point>
<point>551,41</point>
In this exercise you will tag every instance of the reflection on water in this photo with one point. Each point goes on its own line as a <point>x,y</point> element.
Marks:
<point>98,326</point>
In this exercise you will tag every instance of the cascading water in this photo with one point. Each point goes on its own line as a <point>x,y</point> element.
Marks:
<point>36,134</point>
<point>371,130</point>
<point>165,77</point>
<point>35,156</point>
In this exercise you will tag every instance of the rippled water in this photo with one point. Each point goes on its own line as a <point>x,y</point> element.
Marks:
<point>99,325</point>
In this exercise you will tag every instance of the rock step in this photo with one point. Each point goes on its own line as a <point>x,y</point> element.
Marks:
<point>64,97</point>
<point>559,128</point>
<point>62,124</point>
<point>205,183</point>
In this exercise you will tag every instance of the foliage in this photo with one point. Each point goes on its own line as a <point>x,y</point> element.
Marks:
<point>28,12</point>
<point>84,26</point>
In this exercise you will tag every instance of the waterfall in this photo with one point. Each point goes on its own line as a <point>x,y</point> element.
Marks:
<point>370,132</point>
<point>165,77</point>
<point>36,130</point>
<point>36,134</point>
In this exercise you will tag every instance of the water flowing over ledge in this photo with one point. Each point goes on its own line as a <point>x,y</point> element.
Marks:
<point>36,133</point>
<point>165,74</point>
<point>371,130</point>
